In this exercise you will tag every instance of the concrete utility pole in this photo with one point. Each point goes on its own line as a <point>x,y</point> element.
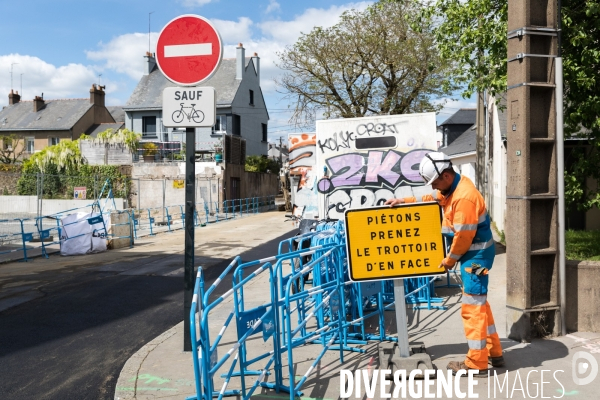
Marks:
<point>533,301</point>
<point>280,150</point>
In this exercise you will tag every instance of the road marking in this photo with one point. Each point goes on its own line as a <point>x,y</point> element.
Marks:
<point>184,50</point>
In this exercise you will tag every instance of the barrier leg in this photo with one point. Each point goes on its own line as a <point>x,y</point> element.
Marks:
<point>136,223</point>
<point>43,234</point>
<point>24,241</point>
<point>168,218</point>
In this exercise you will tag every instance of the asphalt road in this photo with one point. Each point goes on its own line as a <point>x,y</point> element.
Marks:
<point>73,342</point>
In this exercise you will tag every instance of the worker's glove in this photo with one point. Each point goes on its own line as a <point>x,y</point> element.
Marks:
<point>477,270</point>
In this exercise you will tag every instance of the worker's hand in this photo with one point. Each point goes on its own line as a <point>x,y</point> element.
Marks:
<point>394,202</point>
<point>445,266</point>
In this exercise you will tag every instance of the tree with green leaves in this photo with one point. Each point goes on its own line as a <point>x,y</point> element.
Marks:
<point>473,34</point>
<point>379,61</point>
<point>581,54</point>
<point>124,136</point>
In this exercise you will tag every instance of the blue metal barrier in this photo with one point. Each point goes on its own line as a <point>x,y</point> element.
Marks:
<point>13,232</point>
<point>49,230</point>
<point>298,312</point>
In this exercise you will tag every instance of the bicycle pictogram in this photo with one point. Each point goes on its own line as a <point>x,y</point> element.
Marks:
<point>196,115</point>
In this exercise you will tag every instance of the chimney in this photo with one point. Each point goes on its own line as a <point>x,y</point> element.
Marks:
<point>241,61</point>
<point>97,95</point>
<point>38,103</point>
<point>256,61</point>
<point>13,98</point>
<point>150,62</point>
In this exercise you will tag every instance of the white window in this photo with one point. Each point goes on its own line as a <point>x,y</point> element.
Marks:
<point>53,141</point>
<point>30,145</point>
<point>220,124</point>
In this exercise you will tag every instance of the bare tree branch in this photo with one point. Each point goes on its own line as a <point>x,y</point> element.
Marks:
<point>369,63</point>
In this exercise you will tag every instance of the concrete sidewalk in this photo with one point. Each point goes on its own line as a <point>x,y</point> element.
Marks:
<point>160,369</point>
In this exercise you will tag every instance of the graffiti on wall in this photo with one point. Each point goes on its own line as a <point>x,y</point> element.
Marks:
<point>302,158</point>
<point>358,178</point>
<point>363,180</point>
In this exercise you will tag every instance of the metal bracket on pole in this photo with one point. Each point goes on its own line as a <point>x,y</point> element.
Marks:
<point>521,56</point>
<point>399,356</point>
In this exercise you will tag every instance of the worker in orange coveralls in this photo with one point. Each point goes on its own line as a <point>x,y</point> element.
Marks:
<point>467,223</point>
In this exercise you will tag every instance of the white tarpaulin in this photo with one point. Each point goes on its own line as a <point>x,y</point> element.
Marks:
<point>78,236</point>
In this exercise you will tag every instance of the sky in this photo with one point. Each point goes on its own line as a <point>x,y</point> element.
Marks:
<point>60,47</point>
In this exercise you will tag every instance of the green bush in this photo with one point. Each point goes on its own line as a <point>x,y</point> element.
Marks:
<point>60,185</point>
<point>261,164</point>
<point>64,168</point>
<point>582,245</point>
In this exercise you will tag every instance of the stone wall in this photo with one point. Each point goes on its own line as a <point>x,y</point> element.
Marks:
<point>583,296</point>
<point>28,205</point>
<point>8,183</point>
<point>161,185</point>
<point>100,153</point>
<point>121,230</point>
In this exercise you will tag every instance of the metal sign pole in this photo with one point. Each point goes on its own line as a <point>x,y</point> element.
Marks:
<point>401,320</point>
<point>190,192</point>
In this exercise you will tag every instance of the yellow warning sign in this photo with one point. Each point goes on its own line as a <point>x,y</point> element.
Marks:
<point>178,184</point>
<point>395,242</point>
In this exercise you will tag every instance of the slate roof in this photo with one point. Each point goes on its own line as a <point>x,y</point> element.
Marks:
<point>465,143</point>
<point>95,129</point>
<point>464,116</point>
<point>148,92</point>
<point>56,115</point>
<point>117,113</point>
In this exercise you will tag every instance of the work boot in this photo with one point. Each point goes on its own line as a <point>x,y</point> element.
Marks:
<point>455,366</point>
<point>496,361</point>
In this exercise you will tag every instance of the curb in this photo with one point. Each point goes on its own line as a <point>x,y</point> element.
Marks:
<point>28,258</point>
<point>134,363</point>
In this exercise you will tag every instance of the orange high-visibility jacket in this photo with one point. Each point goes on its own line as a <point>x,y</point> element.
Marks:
<point>466,221</point>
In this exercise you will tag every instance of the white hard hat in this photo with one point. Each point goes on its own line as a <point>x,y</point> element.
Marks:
<point>432,166</point>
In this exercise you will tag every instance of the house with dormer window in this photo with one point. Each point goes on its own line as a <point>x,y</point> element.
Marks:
<point>241,109</point>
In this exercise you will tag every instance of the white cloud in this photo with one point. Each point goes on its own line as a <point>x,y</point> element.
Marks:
<point>232,31</point>
<point>55,82</point>
<point>194,3</point>
<point>273,6</point>
<point>288,31</point>
<point>125,53</point>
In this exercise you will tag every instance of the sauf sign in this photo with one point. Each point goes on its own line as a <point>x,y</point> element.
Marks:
<point>189,107</point>
<point>365,161</point>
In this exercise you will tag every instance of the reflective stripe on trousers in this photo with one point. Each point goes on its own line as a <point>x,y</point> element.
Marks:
<point>480,331</point>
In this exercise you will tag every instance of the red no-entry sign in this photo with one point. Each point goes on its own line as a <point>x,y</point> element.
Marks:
<point>189,50</point>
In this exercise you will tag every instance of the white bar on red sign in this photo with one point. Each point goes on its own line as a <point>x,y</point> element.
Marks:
<point>183,50</point>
